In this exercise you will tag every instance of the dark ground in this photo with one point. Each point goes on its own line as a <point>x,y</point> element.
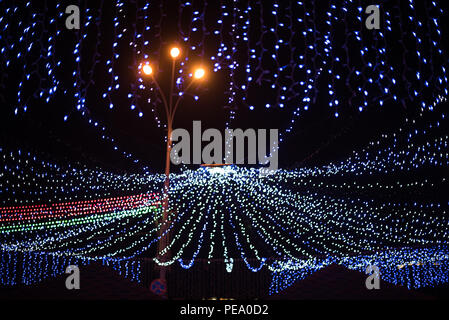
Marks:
<point>332,283</point>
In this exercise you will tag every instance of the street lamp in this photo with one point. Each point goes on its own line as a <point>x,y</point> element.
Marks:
<point>199,73</point>
<point>170,110</point>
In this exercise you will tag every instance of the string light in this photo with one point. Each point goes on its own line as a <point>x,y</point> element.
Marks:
<point>288,52</point>
<point>413,268</point>
<point>299,214</point>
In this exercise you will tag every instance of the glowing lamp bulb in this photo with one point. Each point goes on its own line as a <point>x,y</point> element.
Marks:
<point>175,52</point>
<point>199,73</point>
<point>147,69</point>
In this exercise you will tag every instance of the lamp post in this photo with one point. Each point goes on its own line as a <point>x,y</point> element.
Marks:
<point>170,110</point>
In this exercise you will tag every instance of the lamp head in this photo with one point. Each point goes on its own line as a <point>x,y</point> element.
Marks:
<point>175,52</point>
<point>147,69</point>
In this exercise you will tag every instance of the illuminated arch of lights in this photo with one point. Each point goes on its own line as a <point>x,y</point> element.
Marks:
<point>293,222</point>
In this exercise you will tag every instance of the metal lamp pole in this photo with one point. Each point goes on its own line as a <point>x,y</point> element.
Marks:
<point>170,111</point>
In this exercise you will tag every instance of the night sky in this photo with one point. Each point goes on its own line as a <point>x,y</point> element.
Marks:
<point>318,136</point>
